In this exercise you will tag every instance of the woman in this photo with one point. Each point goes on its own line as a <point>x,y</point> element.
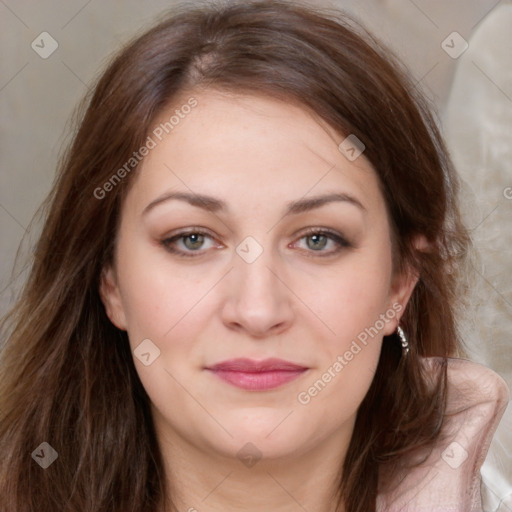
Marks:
<point>245,293</point>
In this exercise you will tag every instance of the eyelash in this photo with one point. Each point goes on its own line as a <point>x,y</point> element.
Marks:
<point>331,235</point>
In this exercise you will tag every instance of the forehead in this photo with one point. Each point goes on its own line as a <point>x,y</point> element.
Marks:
<point>251,147</point>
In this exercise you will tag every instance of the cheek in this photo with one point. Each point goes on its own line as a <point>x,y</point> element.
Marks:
<point>156,297</point>
<point>351,299</point>
<point>351,306</point>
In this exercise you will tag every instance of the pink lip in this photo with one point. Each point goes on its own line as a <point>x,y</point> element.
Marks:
<point>257,375</point>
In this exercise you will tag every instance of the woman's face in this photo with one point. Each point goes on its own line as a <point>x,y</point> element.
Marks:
<point>248,234</point>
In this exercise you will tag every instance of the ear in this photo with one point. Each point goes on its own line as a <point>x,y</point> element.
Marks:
<point>111,298</point>
<point>403,285</point>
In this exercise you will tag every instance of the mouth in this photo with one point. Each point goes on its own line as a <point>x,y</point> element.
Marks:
<point>254,375</point>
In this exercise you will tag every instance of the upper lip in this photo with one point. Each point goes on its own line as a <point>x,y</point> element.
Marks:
<point>251,365</point>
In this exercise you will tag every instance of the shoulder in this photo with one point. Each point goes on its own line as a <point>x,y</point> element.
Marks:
<point>448,479</point>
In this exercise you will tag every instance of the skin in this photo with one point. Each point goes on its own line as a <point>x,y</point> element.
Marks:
<point>304,299</point>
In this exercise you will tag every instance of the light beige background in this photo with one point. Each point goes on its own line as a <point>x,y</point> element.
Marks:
<point>472,94</point>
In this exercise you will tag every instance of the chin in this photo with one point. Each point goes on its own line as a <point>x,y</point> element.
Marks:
<point>250,449</point>
<point>271,435</point>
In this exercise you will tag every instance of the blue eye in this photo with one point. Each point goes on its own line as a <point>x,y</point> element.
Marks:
<point>317,240</point>
<point>188,243</point>
<point>195,242</point>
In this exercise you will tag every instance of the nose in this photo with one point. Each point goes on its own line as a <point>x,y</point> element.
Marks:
<point>258,302</point>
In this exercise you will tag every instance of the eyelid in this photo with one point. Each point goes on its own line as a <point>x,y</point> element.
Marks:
<point>166,242</point>
<point>337,237</point>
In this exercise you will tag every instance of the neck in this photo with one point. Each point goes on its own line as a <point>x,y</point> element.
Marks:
<point>201,481</point>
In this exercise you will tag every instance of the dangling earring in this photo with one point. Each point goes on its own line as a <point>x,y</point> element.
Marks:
<point>403,339</point>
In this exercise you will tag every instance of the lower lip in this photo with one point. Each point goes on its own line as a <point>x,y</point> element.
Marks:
<point>259,381</point>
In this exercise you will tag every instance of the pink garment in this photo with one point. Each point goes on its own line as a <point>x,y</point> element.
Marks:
<point>449,479</point>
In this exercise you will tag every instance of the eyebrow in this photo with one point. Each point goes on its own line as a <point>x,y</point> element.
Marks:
<point>214,205</point>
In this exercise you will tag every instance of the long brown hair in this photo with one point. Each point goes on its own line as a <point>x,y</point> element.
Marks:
<point>67,376</point>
